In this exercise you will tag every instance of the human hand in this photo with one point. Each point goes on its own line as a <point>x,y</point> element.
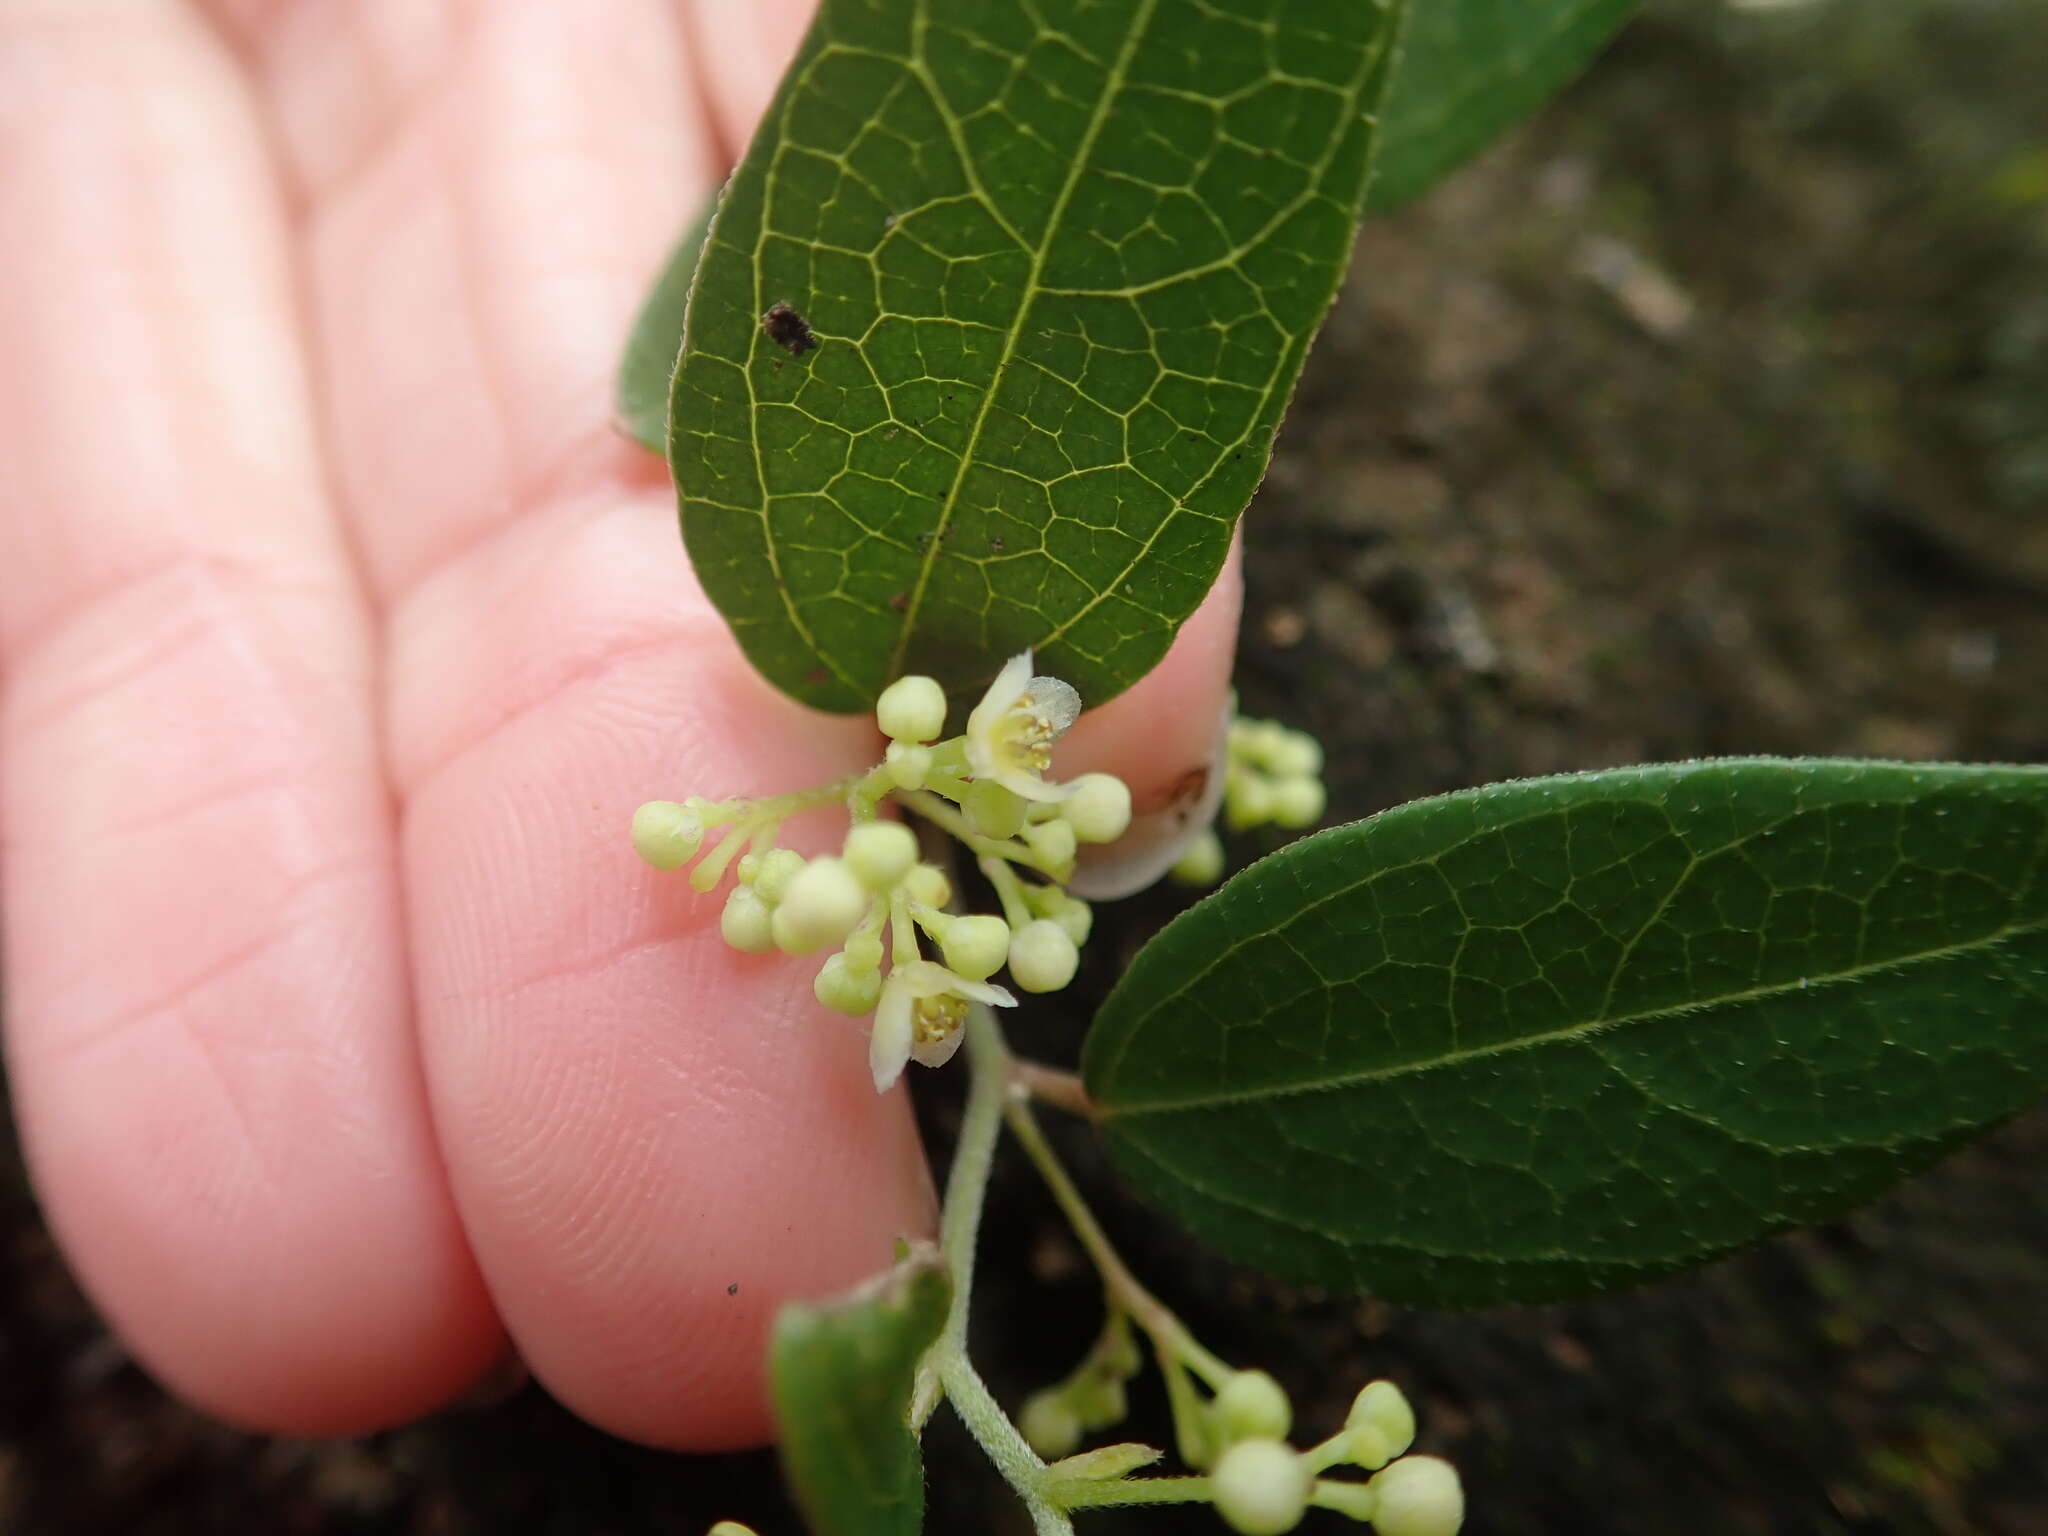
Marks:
<point>340,633</point>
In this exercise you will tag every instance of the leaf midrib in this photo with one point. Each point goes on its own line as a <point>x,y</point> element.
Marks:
<point>1112,86</point>
<point>1578,1030</point>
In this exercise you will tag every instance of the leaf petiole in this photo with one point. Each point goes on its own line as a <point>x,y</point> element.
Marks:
<point>1052,1085</point>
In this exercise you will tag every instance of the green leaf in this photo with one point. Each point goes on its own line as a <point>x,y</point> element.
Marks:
<point>1062,260</point>
<point>842,1377</point>
<point>649,366</point>
<point>1469,70</point>
<point>1562,1036</point>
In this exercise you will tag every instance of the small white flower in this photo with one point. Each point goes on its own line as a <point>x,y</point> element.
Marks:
<point>1011,732</point>
<point>920,1016</point>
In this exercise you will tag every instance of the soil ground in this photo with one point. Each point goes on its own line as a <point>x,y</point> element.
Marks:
<point>1706,415</point>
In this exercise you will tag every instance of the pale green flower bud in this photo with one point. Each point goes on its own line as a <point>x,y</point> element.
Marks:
<point>1120,1351</point>
<point>1073,915</point>
<point>1042,957</point>
<point>1247,801</point>
<point>1251,1406</point>
<point>1261,1487</point>
<point>821,906</point>
<point>1418,1496</point>
<point>772,878</point>
<point>1099,809</point>
<point>1100,1401</point>
<point>1382,1405</point>
<point>975,947</point>
<point>1298,802</point>
<point>1259,739</point>
<point>864,952</point>
<point>1295,755</point>
<point>907,765</point>
<point>847,988</point>
<point>928,886</point>
<point>994,810</point>
<point>1368,1447</point>
<point>1053,842</point>
<point>667,835</point>
<point>745,923</point>
<point>912,709</point>
<point>1049,1425</point>
<point>880,853</point>
<point>1202,864</point>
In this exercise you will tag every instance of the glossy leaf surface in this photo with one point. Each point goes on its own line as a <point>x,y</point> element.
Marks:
<point>1561,1036</point>
<point>842,1376</point>
<point>1470,70</point>
<point>1062,260</point>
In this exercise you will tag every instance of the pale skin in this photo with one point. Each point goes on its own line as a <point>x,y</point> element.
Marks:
<point>340,633</point>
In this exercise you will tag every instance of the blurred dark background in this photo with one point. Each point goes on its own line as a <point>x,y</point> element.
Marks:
<point>1708,414</point>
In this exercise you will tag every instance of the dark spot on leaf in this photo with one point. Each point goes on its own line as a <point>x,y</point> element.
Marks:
<point>900,602</point>
<point>816,677</point>
<point>788,330</point>
<point>995,544</point>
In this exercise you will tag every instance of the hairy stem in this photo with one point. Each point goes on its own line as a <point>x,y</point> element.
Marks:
<point>1168,1332</point>
<point>955,823</point>
<point>947,1368</point>
<point>1080,1493</point>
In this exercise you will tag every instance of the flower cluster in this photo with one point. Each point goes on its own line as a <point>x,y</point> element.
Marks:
<point>1262,1486</point>
<point>1272,776</point>
<point>1257,1482</point>
<point>877,904</point>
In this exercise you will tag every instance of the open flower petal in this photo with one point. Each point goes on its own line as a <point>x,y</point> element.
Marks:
<point>1003,694</point>
<point>919,1017</point>
<point>889,1045</point>
<point>1011,732</point>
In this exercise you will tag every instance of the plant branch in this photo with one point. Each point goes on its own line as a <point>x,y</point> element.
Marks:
<point>946,1368</point>
<point>1052,1085</point>
<point>1167,1331</point>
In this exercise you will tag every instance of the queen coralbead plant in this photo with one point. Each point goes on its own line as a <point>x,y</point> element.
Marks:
<point>983,348</point>
<point>878,906</point>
